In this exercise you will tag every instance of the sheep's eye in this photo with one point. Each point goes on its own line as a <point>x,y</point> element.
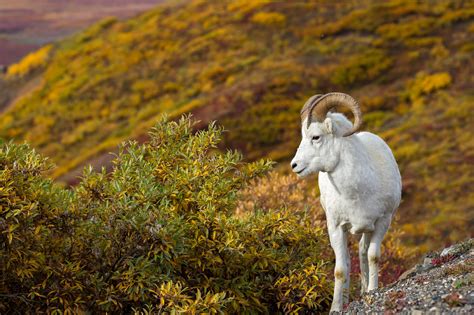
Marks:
<point>316,138</point>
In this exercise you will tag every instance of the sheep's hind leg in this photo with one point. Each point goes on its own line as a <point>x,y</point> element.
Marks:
<point>338,240</point>
<point>348,275</point>
<point>364,262</point>
<point>373,253</point>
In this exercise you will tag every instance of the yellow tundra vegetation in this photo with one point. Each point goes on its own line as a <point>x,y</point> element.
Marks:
<point>269,18</point>
<point>31,62</point>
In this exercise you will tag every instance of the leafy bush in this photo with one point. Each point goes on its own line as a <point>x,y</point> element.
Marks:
<point>277,191</point>
<point>156,234</point>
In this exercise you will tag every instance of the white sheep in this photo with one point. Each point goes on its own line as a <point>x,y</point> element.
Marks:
<point>359,181</point>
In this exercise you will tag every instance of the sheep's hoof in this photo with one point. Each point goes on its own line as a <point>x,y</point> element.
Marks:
<point>335,310</point>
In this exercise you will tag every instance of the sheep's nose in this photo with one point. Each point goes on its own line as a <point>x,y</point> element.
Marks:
<point>294,165</point>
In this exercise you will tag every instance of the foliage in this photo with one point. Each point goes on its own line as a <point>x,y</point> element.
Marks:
<point>269,18</point>
<point>426,84</point>
<point>281,191</point>
<point>31,62</point>
<point>361,69</point>
<point>157,234</point>
<point>438,125</point>
<point>300,290</point>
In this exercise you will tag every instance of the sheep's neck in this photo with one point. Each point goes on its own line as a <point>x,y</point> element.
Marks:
<point>353,173</point>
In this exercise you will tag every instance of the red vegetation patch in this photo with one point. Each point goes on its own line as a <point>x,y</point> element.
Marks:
<point>438,261</point>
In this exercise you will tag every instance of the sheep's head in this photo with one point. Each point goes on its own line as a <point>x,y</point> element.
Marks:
<point>322,133</point>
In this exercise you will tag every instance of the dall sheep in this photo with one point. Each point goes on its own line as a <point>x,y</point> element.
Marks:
<point>359,181</point>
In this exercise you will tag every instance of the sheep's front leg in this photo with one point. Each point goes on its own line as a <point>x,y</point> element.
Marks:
<point>338,240</point>
<point>364,262</point>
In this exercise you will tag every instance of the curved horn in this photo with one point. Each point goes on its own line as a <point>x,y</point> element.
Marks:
<point>309,103</point>
<point>321,106</point>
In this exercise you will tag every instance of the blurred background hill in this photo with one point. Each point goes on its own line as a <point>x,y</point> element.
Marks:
<point>251,65</point>
<point>26,25</point>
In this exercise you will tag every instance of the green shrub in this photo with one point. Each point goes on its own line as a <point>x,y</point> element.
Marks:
<point>362,68</point>
<point>156,234</point>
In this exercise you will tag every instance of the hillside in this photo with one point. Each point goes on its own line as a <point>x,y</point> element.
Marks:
<point>251,66</point>
<point>25,25</point>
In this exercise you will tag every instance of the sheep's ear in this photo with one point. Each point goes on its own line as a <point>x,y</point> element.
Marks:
<point>328,125</point>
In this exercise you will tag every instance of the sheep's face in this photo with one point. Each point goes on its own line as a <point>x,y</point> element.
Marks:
<point>318,150</point>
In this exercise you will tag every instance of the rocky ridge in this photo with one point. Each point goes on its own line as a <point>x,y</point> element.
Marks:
<point>443,283</point>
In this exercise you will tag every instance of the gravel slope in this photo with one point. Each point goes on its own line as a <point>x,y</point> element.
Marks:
<point>442,284</point>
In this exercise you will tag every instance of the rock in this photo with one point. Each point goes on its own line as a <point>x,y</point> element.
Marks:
<point>409,273</point>
<point>458,249</point>
<point>427,262</point>
<point>447,251</point>
<point>444,287</point>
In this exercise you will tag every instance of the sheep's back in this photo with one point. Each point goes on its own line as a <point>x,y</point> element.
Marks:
<point>385,167</point>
